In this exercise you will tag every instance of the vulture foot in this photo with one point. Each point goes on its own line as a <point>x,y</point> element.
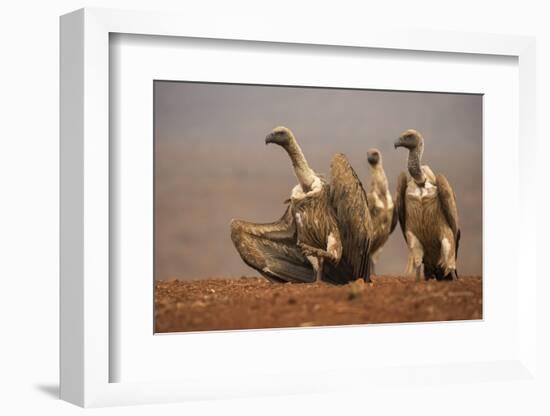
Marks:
<point>310,251</point>
<point>316,257</point>
<point>319,272</point>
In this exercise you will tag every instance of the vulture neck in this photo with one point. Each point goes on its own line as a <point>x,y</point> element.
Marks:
<point>379,181</point>
<point>304,173</point>
<point>414,165</point>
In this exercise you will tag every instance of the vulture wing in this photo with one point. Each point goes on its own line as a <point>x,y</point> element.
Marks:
<point>349,202</point>
<point>271,249</point>
<point>400,204</point>
<point>394,217</point>
<point>447,200</point>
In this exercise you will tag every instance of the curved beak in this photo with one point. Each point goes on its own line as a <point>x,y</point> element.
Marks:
<point>276,138</point>
<point>397,143</point>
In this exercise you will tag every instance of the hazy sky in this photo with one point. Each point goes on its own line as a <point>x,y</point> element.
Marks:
<point>212,165</point>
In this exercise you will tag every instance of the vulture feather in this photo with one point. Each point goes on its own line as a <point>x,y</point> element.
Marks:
<point>271,249</point>
<point>349,200</point>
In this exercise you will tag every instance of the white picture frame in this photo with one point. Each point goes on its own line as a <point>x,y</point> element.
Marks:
<point>86,356</point>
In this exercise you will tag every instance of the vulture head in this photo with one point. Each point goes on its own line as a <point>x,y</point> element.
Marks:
<point>280,135</point>
<point>374,157</point>
<point>413,140</point>
<point>410,139</point>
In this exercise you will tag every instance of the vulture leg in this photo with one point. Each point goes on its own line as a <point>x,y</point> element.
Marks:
<point>447,262</point>
<point>373,258</point>
<point>370,270</point>
<point>317,257</point>
<point>418,273</point>
<point>371,266</point>
<point>416,255</point>
<point>456,275</point>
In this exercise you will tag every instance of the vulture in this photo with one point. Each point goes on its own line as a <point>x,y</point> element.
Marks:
<point>381,206</point>
<point>295,248</point>
<point>426,206</point>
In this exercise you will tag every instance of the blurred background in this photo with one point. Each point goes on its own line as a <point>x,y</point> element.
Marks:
<point>212,165</point>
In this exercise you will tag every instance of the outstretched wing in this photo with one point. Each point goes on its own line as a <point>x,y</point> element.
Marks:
<point>400,202</point>
<point>349,201</point>
<point>271,249</point>
<point>447,199</point>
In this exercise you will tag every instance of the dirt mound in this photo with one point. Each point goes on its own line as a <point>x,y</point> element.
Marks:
<point>250,302</point>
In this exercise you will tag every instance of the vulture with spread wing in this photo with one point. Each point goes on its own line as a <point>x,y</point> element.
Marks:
<point>306,240</point>
<point>428,216</point>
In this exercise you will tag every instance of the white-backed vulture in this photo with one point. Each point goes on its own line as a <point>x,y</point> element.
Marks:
<point>381,206</point>
<point>428,216</point>
<point>307,234</point>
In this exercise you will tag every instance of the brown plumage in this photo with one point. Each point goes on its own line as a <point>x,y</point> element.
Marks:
<point>318,235</point>
<point>349,201</point>
<point>381,206</point>
<point>428,216</point>
<point>271,249</point>
<point>365,219</point>
<point>295,247</point>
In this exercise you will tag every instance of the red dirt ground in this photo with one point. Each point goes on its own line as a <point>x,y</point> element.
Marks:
<point>250,302</point>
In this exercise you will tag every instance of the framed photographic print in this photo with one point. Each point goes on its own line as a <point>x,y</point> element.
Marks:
<point>269,212</point>
<point>211,166</point>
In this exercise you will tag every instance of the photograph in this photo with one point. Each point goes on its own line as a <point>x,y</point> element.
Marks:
<point>294,206</point>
